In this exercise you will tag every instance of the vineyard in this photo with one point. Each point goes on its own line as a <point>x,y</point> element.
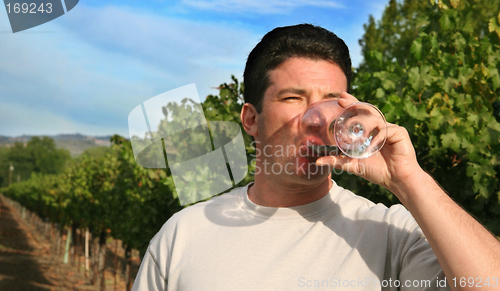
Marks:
<point>36,255</point>
<point>93,201</point>
<point>430,67</point>
<point>110,197</point>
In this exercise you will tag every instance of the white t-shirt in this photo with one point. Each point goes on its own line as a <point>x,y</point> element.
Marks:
<point>341,241</point>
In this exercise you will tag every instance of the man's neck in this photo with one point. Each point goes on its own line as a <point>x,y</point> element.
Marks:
<point>267,192</point>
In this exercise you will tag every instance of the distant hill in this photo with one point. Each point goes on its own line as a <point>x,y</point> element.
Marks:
<point>76,143</point>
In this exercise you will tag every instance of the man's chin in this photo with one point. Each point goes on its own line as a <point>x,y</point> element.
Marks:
<point>307,169</point>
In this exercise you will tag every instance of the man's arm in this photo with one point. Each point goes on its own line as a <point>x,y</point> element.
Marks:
<point>464,248</point>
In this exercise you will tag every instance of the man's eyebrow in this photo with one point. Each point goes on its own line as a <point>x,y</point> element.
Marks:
<point>299,91</point>
<point>292,90</point>
<point>333,95</point>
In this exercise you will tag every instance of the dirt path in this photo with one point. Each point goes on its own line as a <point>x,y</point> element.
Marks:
<point>26,262</point>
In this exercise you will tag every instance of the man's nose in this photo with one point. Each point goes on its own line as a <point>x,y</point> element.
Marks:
<point>315,122</point>
<point>314,98</point>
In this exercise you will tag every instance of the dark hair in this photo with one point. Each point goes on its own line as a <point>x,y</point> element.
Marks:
<point>282,43</point>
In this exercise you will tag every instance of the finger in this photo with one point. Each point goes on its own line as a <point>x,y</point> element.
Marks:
<point>334,161</point>
<point>326,161</point>
<point>379,137</point>
<point>346,99</point>
<point>398,144</point>
<point>395,133</point>
<point>343,163</point>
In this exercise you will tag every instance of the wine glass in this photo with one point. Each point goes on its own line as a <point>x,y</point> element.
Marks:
<point>358,130</point>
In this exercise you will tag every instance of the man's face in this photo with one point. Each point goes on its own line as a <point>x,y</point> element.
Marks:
<point>294,86</point>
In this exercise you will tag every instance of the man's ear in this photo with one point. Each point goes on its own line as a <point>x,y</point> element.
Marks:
<point>248,118</point>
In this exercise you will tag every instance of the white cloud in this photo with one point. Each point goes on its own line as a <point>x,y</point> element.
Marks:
<point>98,64</point>
<point>186,50</point>
<point>259,6</point>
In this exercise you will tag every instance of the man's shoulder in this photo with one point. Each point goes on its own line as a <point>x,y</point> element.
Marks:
<point>220,202</point>
<point>359,207</point>
<point>199,214</point>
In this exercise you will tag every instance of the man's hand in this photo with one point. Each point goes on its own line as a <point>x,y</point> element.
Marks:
<point>394,165</point>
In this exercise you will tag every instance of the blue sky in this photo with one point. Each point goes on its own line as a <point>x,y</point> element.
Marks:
<point>86,70</point>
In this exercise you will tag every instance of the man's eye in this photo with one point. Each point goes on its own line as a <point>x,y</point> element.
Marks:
<point>292,98</point>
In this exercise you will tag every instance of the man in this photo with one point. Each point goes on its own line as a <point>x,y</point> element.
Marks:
<point>294,228</point>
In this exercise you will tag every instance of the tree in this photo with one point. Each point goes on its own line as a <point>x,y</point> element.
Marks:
<point>402,21</point>
<point>39,155</point>
<point>21,161</point>
<point>443,91</point>
<point>395,32</point>
<point>45,157</point>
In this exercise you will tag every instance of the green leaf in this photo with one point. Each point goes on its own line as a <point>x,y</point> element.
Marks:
<point>465,73</point>
<point>472,117</point>
<point>388,84</point>
<point>495,77</point>
<point>460,44</point>
<point>454,3</point>
<point>416,48</point>
<point>434,43</point>
<point>445,22</point>
<point>465,134</point>
<point>436,118</point>
<point>449,84</point>
<point>421,21</point>
<point>467,88</point>
<point>468,27</point>
<point>422,113</point>
<point>441,5</point>
<point>494,125</point>
<point>451,140</point>
<point>473,170</point>
<point>394,98</point>
<point>494,25</point>
<point>485,136</point>
<point>411,109</point>
<point>494,133</point>
<point>419,77</point>
<point>377,55</point>
<point>448,116</point>
<point>485,114</point>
